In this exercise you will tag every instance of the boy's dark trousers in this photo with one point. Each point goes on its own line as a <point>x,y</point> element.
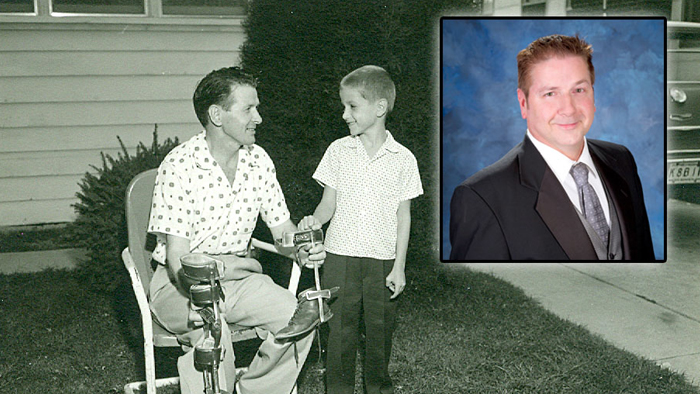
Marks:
<point>363,293</point>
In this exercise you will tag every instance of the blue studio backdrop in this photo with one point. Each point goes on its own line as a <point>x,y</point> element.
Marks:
<point>480,117</point>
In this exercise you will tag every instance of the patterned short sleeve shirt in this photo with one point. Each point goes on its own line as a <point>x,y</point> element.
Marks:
<point>193,198</point>
<point>368,193</point>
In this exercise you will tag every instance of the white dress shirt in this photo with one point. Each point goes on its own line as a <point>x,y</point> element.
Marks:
<point>561,165</point>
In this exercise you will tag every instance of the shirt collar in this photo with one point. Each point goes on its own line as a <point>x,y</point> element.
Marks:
<point>558,162</point>
<point>200,152</point>
<point>203,158</point>
<point>389,145</point>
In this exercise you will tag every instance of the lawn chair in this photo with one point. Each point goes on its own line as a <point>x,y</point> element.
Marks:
<point>137,259</point>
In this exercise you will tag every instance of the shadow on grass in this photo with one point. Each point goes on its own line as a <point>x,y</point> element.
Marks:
<point>458,332</point>
<point>130,328</point>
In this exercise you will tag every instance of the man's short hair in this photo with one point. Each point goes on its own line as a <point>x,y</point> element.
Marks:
<point>216,89</point>
<point>545,48</point>
<point>373,83</point>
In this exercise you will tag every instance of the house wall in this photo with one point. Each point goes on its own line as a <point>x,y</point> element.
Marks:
<point>514,7</point>
<point>68,88</point>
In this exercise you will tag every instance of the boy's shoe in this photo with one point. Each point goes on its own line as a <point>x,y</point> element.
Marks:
<point>306,316</point>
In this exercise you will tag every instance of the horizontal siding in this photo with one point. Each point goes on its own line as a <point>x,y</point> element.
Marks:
<point>50,89</point>
<point>107,63</point>
<point>95,113</point>
<point>53,138</point>
<point>42,188</point>
<point>71,162</point>
<point>67,92</point>
<point>18,166</point>
<point>124,40</point>
<point>37,212</point>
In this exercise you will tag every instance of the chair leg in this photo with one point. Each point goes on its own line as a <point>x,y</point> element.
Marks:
<point>149,355</point>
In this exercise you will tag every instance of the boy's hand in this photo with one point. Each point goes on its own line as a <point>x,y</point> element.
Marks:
<point>396,282</point>
<point>316,253</point>
<point>310,254</point>
<point>309,223</point>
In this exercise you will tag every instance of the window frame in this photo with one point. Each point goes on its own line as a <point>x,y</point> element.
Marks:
<point>33,13</point>
<point>153,10</point>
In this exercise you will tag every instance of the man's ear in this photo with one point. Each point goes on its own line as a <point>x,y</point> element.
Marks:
<point>382,107</point>
<point>522,100</point>
<point>214,112</point>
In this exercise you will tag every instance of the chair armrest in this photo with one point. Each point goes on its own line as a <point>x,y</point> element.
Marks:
<point>256,243</point>
<point>296,270</point>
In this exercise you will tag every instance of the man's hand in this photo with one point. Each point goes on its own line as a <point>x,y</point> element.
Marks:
<point>396,282</point>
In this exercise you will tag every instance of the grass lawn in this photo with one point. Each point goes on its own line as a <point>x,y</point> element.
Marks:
<point>459,332</point>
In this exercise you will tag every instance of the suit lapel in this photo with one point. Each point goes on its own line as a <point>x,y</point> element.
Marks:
<point>619,192</point>
<point>556,211</point>
<point>554,206</point>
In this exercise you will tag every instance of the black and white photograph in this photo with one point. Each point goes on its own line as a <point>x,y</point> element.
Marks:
<point>250,196</point>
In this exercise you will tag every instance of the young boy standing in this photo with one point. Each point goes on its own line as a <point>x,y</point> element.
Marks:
<point>369,180</point>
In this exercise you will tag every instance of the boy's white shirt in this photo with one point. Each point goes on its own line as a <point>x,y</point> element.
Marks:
<point>368,192</point>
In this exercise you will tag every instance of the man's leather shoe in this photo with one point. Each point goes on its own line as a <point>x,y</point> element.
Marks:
<point>306,316</point>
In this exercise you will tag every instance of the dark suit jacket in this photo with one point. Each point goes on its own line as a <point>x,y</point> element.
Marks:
<point>516,209</point>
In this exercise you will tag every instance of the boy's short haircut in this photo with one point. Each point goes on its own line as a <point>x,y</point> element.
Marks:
<point>545,48</point>
<point>216,89</point>
<point>373,83</point>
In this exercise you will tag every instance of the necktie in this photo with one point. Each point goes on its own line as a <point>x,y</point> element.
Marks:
<point>590,205</point>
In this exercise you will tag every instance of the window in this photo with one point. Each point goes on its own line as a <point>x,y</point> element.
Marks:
<point>98,7</point>
<point>17,6</point>
<point>534,7</point>
<point>586,7</point>
<point>204,7</point>
<point>691,11</point>
<point>155,8</point>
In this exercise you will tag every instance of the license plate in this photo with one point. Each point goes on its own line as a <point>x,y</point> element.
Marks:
<point>686,172</point>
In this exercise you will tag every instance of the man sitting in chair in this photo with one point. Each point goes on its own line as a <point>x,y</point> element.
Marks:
<point>208,194</point>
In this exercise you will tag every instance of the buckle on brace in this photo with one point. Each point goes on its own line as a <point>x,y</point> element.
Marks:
<point>317,294</point>
<point>301,238</point>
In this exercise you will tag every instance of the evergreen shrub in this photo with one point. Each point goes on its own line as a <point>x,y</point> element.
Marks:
<point>100,226</point>
<point>300,50</point>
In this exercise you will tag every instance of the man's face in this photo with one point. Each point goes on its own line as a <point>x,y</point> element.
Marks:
<point>240,120</point>
<point>560,105</point>
<point>359,113</point>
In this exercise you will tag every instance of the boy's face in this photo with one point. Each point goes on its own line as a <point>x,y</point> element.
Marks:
<point>359,113</point>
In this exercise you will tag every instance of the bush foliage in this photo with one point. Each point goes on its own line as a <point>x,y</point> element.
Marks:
<point>100,226</point>
<point>300,50</point>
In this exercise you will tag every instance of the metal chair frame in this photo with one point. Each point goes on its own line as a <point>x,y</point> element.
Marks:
<point>137,260</point>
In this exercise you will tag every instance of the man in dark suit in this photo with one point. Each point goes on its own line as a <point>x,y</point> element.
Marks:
<point>556,195</point>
